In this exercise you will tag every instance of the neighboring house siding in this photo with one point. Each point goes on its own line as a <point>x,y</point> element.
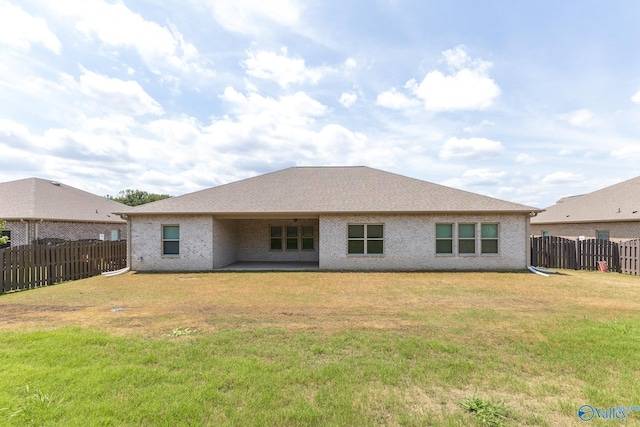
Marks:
<point>195,243</point>
<point>253,237</point>
<point>617,230</point>
<point>25,232</point>
<point>409,244</point>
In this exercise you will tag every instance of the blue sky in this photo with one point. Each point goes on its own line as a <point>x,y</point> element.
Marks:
<point>524,101</point>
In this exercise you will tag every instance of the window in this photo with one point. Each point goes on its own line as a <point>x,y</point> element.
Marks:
<point>545,233</point>
<point>444,238</point>
<point>115,235</point>
<point>276,238</point>
<point>292,238</point>
<point>7,233</point>
<point>170,240</point>
<point>365,239</point>
<point>489,238</point>
<point>467,238</point>
<point>307,238</point>
<point>602,234</point>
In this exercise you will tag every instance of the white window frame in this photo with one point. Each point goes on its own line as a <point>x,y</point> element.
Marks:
<point>474,239</point>
<point>450,239</point>
<point>365,239</point>
<point>285,239</point>
<point>168,240</point>
<point>486,239</point>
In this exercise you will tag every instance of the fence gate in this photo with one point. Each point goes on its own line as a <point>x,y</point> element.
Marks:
<point>630,257</point>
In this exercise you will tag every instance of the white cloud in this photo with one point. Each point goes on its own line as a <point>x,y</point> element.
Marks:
<point>581,118</point>
<point>395,100</point>
<point>282,69</point>
<point>335,144</point>
<point>636,97</point>
<point>298,108</point>
<point>21,30</point>
<point>526,159</point>
<point>116,26</point>
<point>471,129</point>
<point>350,64</point>
<point>468,87</point>
<point>482,177</point>
<point>629,152</point>
<point>471,148</point>
<point>252,16</point>
<point>348,99</point>
<point>561,178</point>
<point>122,96</point>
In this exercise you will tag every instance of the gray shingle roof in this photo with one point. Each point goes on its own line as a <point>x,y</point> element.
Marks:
<point>313,190</point>
<point>35,199</point>
<point>619,202</point>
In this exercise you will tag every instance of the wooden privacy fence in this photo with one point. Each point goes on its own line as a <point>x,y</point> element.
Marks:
<point>33,266</point>
<point>630,257</point>
<point>559,252</point>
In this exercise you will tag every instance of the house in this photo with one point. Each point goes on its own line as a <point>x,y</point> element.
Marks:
<point>330,218</point>
<point>36,209</point>
<point>612,213</point>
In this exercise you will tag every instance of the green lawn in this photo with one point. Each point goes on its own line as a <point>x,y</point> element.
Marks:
<point>321,349</point>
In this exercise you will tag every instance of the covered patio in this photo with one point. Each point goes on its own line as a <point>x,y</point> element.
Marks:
<point>271,266</point>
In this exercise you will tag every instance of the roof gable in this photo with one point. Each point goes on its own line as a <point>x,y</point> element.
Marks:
<point>35,198</point>
<point>328,190</point>
<point>618,202</point>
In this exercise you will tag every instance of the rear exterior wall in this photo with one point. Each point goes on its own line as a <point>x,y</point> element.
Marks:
<point>195,243</point>
<point>410,243</point>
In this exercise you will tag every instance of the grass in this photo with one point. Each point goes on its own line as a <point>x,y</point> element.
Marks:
<point>321,349</point>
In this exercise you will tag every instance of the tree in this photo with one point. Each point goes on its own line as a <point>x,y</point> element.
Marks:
<point>137,197</point>
<point>3,239</point>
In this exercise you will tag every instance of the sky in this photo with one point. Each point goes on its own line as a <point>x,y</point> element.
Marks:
<point>524,101</point>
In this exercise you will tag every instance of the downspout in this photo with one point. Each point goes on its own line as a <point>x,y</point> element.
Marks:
<point>126,218</point>
<point>129,227</point>
<point>528,237</point>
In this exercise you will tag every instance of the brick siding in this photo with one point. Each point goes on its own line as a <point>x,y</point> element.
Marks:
<point>617,230</point>
<point>25,232</point>
<point>409,243</point>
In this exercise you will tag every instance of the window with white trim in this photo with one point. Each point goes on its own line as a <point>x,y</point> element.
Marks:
<point>276,238</point>
<point>292,238</point>
<point>444,238</point>
<point>466,238</point>
<point>307,238</point>
<point>489,238</point>
<point>170,240</point>
<point>365,239</point>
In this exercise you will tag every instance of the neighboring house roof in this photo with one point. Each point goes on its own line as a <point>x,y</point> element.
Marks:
<point>619,202</point>
<point>312,190</point>
<point>36,199</point>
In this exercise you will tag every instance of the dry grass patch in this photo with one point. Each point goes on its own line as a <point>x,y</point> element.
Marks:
<point>500,304</point>
<point>325,348</point>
